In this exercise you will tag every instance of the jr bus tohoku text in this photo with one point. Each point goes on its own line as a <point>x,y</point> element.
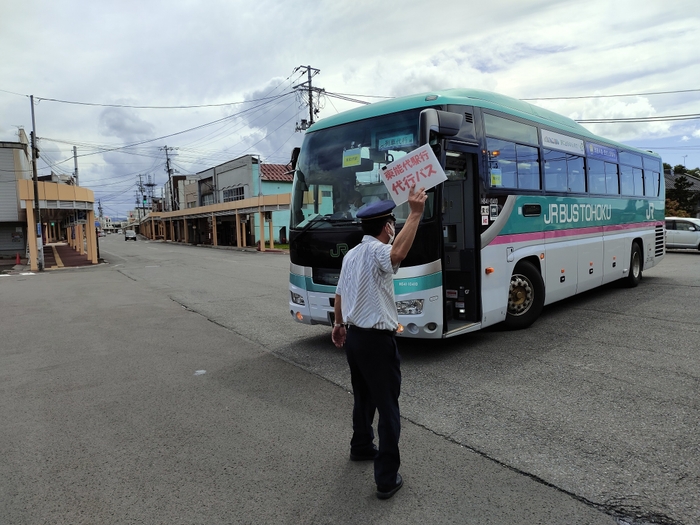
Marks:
<point>535,209</point>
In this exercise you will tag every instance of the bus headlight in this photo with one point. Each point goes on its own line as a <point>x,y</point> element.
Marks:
<point>297,299</point>
<point>410,307</point>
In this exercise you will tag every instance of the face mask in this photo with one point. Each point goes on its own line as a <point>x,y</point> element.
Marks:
<point>392,234</point>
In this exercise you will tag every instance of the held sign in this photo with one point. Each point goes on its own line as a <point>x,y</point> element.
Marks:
<point>419,167</point>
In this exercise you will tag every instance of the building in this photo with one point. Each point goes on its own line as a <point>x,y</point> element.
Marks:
<point>15,165</point>
<point>66,211</point>
<point>236,203</point>
<point>176,199</point>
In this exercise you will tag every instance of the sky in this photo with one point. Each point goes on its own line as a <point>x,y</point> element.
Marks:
<point>214,79</point>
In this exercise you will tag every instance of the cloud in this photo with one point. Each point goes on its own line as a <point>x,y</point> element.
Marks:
<point>242,51</point>
<point>124,124</point>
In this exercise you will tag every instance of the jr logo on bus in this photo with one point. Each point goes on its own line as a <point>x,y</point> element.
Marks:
<point>565,213</point>
<point>340,250</point>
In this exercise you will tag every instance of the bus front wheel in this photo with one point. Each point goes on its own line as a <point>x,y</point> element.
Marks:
<point>635,273</point>
<point>525,296</point>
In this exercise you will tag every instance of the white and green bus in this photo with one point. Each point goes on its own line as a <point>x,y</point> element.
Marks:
<point>535,209</point>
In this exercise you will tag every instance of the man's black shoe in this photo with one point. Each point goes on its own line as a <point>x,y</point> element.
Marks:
<point>382,493</point>
<point>363,456</point>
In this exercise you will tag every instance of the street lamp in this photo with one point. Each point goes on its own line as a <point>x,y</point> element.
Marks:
<point>684,156</point>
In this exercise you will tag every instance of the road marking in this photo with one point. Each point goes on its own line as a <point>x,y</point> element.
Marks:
<point>200,372</point>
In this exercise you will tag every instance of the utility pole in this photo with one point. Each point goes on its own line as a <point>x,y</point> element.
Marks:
<point>170,177</point>
<point>39,238</point>
<point>139,197</point>
<point>310,72</point>
<point>75,162</point>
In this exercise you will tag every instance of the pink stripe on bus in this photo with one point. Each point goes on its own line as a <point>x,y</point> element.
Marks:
<point>554,234</point>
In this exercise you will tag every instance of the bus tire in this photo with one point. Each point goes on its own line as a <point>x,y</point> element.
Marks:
<point>525,296</point>
<point>635,273</point>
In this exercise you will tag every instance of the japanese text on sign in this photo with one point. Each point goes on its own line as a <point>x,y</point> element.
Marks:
<point>418,168</point>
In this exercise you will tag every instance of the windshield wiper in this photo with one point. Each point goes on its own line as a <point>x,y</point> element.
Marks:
<point>313,222</point>
<point>320,219</point>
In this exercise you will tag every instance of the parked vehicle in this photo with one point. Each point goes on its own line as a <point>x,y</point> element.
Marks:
<point>129,235</point>
<point>682,232</point>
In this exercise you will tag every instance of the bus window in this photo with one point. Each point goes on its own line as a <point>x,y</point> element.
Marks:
<point>612,183</point>
<point>528,167</point>
<point>651,164</point>
<point>638,182</point>
<point>631,158</point>
<point>555,171</point>
<point>513,165</point>
<point>576,174</point>
<point>509,129</point>
<point>596,176</point>
<point>651,183</point>
<point>626,180</point>
<point>502,163</point>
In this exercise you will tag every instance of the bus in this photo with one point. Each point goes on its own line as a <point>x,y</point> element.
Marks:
<point>535,209</point>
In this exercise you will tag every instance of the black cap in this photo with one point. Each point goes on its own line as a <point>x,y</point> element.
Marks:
<point>376,210</point>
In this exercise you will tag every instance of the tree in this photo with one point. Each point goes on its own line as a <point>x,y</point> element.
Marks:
<point>680,169</point>
<point>681,193</point>
<point>673,210</point>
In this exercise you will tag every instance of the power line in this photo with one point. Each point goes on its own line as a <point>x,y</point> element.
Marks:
<point>194,106</point>
<point>107,150</point>
<point>611,96</point>
<point>666,118</point>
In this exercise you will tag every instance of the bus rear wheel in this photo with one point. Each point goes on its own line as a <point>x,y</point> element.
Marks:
<point>635,273</point>
<point>525,296</point>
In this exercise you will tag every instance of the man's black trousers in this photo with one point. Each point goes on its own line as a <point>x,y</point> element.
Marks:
<point>375,372</point>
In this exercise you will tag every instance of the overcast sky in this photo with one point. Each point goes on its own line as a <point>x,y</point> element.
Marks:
<point>225,56</point>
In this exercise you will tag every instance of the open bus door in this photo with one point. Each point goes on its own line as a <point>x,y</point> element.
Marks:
<point>460,237</point>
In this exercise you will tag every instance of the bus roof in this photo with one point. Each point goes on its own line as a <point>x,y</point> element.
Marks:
<point>468,97</point>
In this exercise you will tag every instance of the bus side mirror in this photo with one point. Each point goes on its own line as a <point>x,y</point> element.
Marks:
<point>441,122</point>
<point>295,157</point>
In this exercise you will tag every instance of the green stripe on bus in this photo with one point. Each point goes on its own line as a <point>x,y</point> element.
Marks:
<point>562,213</point>
<point>417,284</point>
<point>401,286</point>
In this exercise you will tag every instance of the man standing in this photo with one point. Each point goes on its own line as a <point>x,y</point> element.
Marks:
<point>365,301</point>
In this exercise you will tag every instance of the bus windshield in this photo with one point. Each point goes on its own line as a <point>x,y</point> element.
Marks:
<point>338,169</point>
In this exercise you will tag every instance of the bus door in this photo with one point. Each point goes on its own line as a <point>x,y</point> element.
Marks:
<point>460,240</point>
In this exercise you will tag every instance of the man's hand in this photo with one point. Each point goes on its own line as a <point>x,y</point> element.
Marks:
<point>404,239</point>
<point>338,336</point>
<point>416,199</point>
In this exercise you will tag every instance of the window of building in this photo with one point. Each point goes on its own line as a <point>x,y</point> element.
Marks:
<point>234,194</point>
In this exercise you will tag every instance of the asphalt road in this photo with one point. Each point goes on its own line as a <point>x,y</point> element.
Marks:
<point>589,416</point>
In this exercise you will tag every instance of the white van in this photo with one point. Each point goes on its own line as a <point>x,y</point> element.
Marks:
<point>682,232</point>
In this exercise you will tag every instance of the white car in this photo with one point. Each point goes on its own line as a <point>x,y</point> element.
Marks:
<point>682,232</point>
